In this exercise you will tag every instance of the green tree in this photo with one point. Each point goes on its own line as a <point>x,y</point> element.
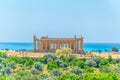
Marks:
<point>91,63</point>
<point>89,69</point>
<point>11,65</point>
<point>115,49</point>
<point>8,70</point>
<point>22,75</point>
<point>55,72</point>
<point>97,60</point>
<point>110,59</point>
<point>63,58</point>
<point>52,65</point>
<point>104,62</point>
<point>34,71</point>
<point>59,62</point>
<point>38,66</point>
<point>49,56</point>
<point>44,76</point>
<point>105,69</point>
<point>76,70</point>
<point>1,66</point>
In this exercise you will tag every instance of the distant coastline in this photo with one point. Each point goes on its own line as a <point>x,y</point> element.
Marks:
<point>87,46</point>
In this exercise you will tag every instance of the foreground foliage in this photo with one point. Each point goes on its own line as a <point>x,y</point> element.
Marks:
<point>58,67</point>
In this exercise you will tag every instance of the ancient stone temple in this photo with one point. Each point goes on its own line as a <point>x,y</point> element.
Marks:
<point>45,44</point>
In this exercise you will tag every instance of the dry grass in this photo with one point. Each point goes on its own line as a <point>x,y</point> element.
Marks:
<point>87,55</point>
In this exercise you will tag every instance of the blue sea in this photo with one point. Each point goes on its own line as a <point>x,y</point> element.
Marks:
<point>87,46</point>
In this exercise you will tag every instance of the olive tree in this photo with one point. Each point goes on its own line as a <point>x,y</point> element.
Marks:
<point>55,72</point>
<point>97,60</point>
<point>38,66</point>
<point>115,49</point>
<point>34,71</point>
<point>49,57</point>
<point>76,70</point>
<point>11,65</point>
<point>7,70</point>
<point>1,66</point>
<point>91,63</point>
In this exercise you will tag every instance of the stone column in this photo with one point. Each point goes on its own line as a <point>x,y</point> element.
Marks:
<point>74,43</point>
<point>81,43</point>
<point>70,44</point>
<point>45,44</point>
<point>42,44</point>
<point>38,45</point>
<point>34,40</point>
<point>57,44</point>
<point>63,44</point>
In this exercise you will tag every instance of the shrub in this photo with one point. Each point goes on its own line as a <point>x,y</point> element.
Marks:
<point>11,65</point>
<point>72,58</point>
<point>38,66</point>
<point>101,76</point>
<point>90,63</point>
<point>97,60</point>
<point>49,55</point>
<point>14,59</point>
<point>69,77</point>
<point>105,69</point>
<point>41,60</point>
<point>23,75</point>
<point>49,60</point>
<point>1,66</point>
<point>63,65</point>
<point>110,59</point>
<point>5,71</point>
<point>80,64</point>
<point>8,70</point>
<point>63,58</point>
<point>55,72</point>
<point>115,68</point>
<point>34,71</point>
<point>44,76</point>
<point>89,69</point>
<point>3,55</point>
<point>51,78</point>
<point>104,62</point>
<point>115,49</point>
<point>76,70</point>
<point>29,62</point>
<point>1,59</point>
<point>64,51</point>
<point>4,63</point>
<point>2,71</point>
<point>58,61</point>
<point>52,65</point>
<point>117,60</point>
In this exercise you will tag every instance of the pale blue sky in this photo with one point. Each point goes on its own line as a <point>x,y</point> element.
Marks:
<point>98,20</point>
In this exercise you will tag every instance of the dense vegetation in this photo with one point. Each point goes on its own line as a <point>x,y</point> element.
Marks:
<point>115,49</point>
<point>60,66</point>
